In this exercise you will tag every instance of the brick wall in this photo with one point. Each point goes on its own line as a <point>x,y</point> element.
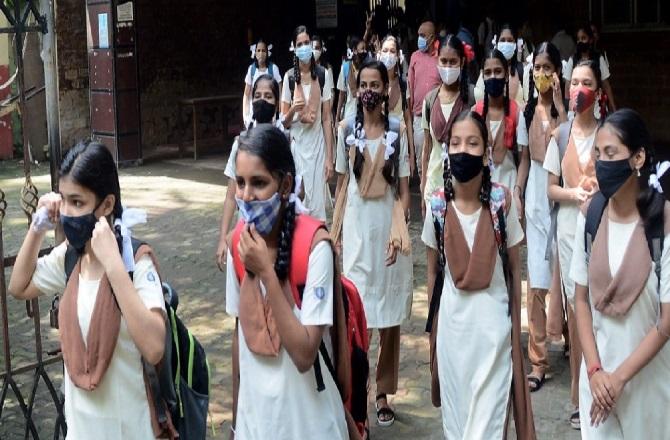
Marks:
<point>72,71</point>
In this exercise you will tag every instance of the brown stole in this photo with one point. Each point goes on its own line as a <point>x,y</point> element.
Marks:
<point>514,84</point>
<point>614,296</point>
<point>308,113</point>
<point>470,271</point>
<point>538,137</point>
<point>438,123</point>
<point>497,144</point>
<point>394,93</point>
<point>574,174</point>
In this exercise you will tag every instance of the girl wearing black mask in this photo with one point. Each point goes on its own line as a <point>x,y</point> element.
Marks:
<point>261,65</point>
<point>586,51</point>
<point>623,308</point>
<point>346,81</point>
<point>121,328</point>
<point>265,107</point>
<point>506,134</point>
<point>476,305</point>
<point>572,181</point>
<point>371,211</point>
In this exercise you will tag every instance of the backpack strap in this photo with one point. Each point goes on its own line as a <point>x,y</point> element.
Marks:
<point>345,70</point>
<point>403,92</point>
<point>430,99</point>
<point>321,76</point>
<point>234,242</point>
<point>594,213</point>
<point>303,242</point>
<point>563,138</point>
<point>253,72</point>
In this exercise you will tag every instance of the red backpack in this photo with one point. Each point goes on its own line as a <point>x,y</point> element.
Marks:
<point>349,333</point>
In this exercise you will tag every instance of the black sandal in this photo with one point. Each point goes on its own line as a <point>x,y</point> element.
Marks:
<point>574,420</point>
<point>386,412</point>
<point>535,383</point>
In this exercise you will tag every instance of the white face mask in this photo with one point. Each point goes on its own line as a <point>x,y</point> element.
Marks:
<point>507,48</point>
<point>449,75</point>
<point>388,59</point>
<point>317,54</point>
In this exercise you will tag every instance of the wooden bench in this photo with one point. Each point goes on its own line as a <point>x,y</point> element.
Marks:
<point>229,105</point>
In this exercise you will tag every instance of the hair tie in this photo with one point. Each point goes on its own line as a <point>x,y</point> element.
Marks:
<point>129,218</point>
<point>252,48</point>
<point>655,178</point>
<point>494,42</point>
<point>469,52</point>
<point>291,48</point>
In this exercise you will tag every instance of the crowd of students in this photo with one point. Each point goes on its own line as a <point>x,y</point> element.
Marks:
<point>531,149</point>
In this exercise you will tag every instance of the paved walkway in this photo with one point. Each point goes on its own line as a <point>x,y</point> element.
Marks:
<point>184,199</point>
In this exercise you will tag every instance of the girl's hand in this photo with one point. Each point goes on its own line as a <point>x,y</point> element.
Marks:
<point>222,254</point>
<point>616,385</point>
<point>598,415</point>
<point>580,195</point>
<point>328,170</point>
<point>558,93</point>
<point>254,251</point>
<point>298,105</point>
<point>519,204</point>
<point>104,246</point>
<point>391,254</point>
<point>412,165</point>
<point>602,390</point>
<point>51,201</point>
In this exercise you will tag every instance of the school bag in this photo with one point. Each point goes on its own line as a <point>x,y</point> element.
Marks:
<point>320,74</point>
<point>655,233</point>
<point>178,387</point>
<point>254,67</point>
<point>562,140</point>
<point>349,333</point>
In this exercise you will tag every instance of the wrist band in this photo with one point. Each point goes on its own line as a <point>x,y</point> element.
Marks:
<point>593,370</point>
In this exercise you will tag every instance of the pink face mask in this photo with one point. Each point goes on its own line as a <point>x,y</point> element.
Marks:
<point>581,98</point>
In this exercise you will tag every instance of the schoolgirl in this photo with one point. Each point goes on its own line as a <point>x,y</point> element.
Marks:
<point>475,308</point>
<point>306,112</point>
<point>506,43</point>
<point>544,112</point>
<point>319,50</point>
<point>265,107</point>
<point>621,268</point>
<point>278,341</point>
<point>121,319</point>
<point>370,214</point>
<point>261,65</point>
<point>508,137</point>
<point>569,158</point>
<point>346,81</point>
<point>585,50</point>
<point>440,108</point>
<point>391,56</point>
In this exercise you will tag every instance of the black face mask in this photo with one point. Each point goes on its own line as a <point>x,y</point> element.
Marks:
<point>583,47</point>
<point>494,87</point>
<point>263,111</point>
<point>359,58</point>
<point>465,167</point>
<point>78,230</point>
<point>611,175</point>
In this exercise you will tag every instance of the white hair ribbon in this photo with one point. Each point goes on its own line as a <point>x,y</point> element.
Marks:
<point>389,138</point>
<point>655,178</point>
<point>269,50</point>
<point>401,57</point>
<point>444,151</point>
<point>350,53</point>
<point>494,41</point>
<point>357,141</point>
<point>252,48</point>
<point>291,48</point>
<point>129,218</point>
<point>300,208</point>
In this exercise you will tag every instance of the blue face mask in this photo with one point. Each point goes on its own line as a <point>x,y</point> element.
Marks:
<point>78,230</point>
<point>422,43</point>
<point>262,213</point>
<point>304,53</point>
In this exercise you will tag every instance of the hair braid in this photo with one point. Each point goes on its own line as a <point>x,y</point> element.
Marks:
<point>391,166</point>
<point>485,191</point>
<point>283,262</point>
<point>296,69</point>
<point>485,111</point>
<point>465,87</point>
<point>312,67</point>
<point>529,112</point>
<point>506,98</point>
<point>359,158</point>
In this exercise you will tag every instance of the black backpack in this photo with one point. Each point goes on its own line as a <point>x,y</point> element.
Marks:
<point>655,233</point>
<point>320,74</point>
<point>181,383</point>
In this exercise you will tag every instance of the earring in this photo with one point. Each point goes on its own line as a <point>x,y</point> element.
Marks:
<point>638,172</point>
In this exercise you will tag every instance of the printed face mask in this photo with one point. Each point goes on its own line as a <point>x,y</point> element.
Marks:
<point>581,98</point>
<point>388,59</point>
<point>507,48</point>
<point>304,53</point>
<point>370,99</point>
<point>542,82</point>
<point>611,175</point>
<point>449,75</point>
<point>465,167</point>
<point>494,87</point>
<point>263,111</point>
<point>261,213</point>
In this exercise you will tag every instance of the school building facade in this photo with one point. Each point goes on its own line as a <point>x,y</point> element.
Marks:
<point>201,48</point>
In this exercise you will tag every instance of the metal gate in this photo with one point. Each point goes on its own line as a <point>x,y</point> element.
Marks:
<point>24,16</point>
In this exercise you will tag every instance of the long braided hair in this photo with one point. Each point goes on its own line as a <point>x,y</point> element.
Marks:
<point>390,170</point>
<point>272,147</point>
<point>495,54</point>
<point>296,62</point>
<point>545,48</point>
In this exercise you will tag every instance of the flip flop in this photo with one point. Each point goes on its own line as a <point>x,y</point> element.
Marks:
<point>535,383</point>
<point>574,420</point>
<point>387,413</point>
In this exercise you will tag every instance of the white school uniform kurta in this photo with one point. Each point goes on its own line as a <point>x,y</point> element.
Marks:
<point>275,400</point>
<point>568,211</point>
<point>308,146</point>
<point>343,86</point>
<point>505,173</point>
<point>386,291</point>
<point>538,222</point>
<point>641,411</point>
<point>231,168</point>
<point>435,171</point>
<point>118,408</point>
<point>474,343</point>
